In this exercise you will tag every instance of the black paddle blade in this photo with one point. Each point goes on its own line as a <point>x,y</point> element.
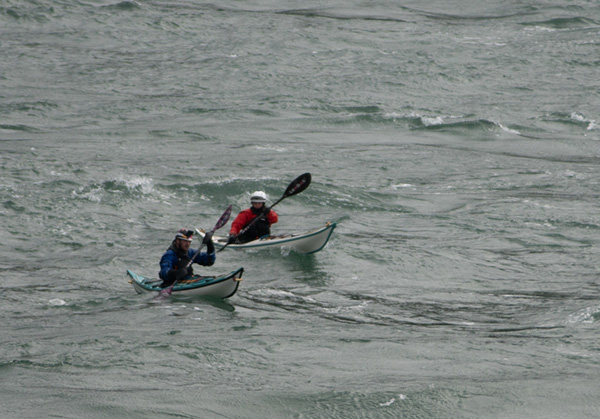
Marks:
<point>298,185</point>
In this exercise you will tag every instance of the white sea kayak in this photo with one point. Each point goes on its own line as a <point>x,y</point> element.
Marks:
<point>220,286</point>
<point>309,242</point>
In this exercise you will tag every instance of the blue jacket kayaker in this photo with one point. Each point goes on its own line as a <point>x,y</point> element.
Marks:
<point>173,263</point>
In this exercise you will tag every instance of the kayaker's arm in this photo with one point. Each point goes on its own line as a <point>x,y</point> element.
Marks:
<point>242,219</point>
<point>272,216</point>
<point>207,258</point>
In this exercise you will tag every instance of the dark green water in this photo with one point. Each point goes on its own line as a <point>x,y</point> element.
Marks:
<point>455,143</point>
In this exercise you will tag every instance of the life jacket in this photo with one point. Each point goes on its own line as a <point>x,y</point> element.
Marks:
<point>260,228</point>
<point>182,258</point>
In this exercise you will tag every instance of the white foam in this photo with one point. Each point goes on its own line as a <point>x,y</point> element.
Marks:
<point>392,115</point>
<point>541,29</point>
<point>432,121</point>
<point>393,400</point>
<point>402,185</point>
<point>388,403</point>
<point>278,149</point>
<point>592,125</point>
<point>93,195</point>
<point>584,316</point>
<point>144,183</point>
<point>512,131</point>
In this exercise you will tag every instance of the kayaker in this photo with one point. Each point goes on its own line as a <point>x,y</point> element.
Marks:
<point>173,263</point>
<point>259,228</point>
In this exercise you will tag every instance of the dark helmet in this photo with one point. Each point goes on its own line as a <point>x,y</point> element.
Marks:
<point>184,234</point>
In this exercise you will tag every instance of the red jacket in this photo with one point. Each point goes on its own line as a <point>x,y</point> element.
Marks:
<point>246,216</point>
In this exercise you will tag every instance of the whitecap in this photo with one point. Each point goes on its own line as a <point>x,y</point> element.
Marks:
<point>592,125</point>
<point>541,29</point>
<point>93,195</point>
<point>587,315</point>
<point>393,115</point>
<point>431,121</point>
<point>388,403</point>
<point>57,302</point>
<point>278,149</point>
<point>402,185</point>
<point>512,131</point>
<point>144,183</point>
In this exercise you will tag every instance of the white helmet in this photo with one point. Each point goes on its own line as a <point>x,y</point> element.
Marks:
<point>258,196</point>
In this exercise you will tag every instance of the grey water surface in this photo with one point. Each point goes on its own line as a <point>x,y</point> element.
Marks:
<point>456,144</point>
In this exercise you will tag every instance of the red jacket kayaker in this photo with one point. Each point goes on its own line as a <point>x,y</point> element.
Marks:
<point>259,228</point>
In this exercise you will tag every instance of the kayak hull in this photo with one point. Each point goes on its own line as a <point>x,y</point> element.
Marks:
<point>309,242</point>
<point>221,286</point>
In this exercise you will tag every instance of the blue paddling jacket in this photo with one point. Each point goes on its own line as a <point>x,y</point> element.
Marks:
<point>174,259</point>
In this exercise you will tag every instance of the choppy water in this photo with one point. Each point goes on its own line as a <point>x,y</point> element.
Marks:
<point>456,143</point>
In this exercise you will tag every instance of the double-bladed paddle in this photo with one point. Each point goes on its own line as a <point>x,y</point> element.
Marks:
<point>298,185</point>
<point>222,221</point>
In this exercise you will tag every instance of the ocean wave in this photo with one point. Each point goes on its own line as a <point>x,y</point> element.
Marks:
<point>563,23</point>
<point>422,122</point>
<point>143,184</point>
<point>131,187</point>
<point>19,127</point>
<point>482,16</point>
<point>31,12</point>
<point>457,123</point>
<point>573,118</point>
<point>587,315</point>
<point>124,5</point>
<point>469,125</point>
<point>344,15</point>
<point>591,124</point>
<point>39,107</point>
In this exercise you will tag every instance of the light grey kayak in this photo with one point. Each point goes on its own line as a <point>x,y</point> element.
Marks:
<point>309,242</point>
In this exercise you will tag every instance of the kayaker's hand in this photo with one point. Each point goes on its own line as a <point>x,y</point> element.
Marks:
<point>207,237</point>
<point>171,276</point>
<point>266,211</point>
<point>231,239</point>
